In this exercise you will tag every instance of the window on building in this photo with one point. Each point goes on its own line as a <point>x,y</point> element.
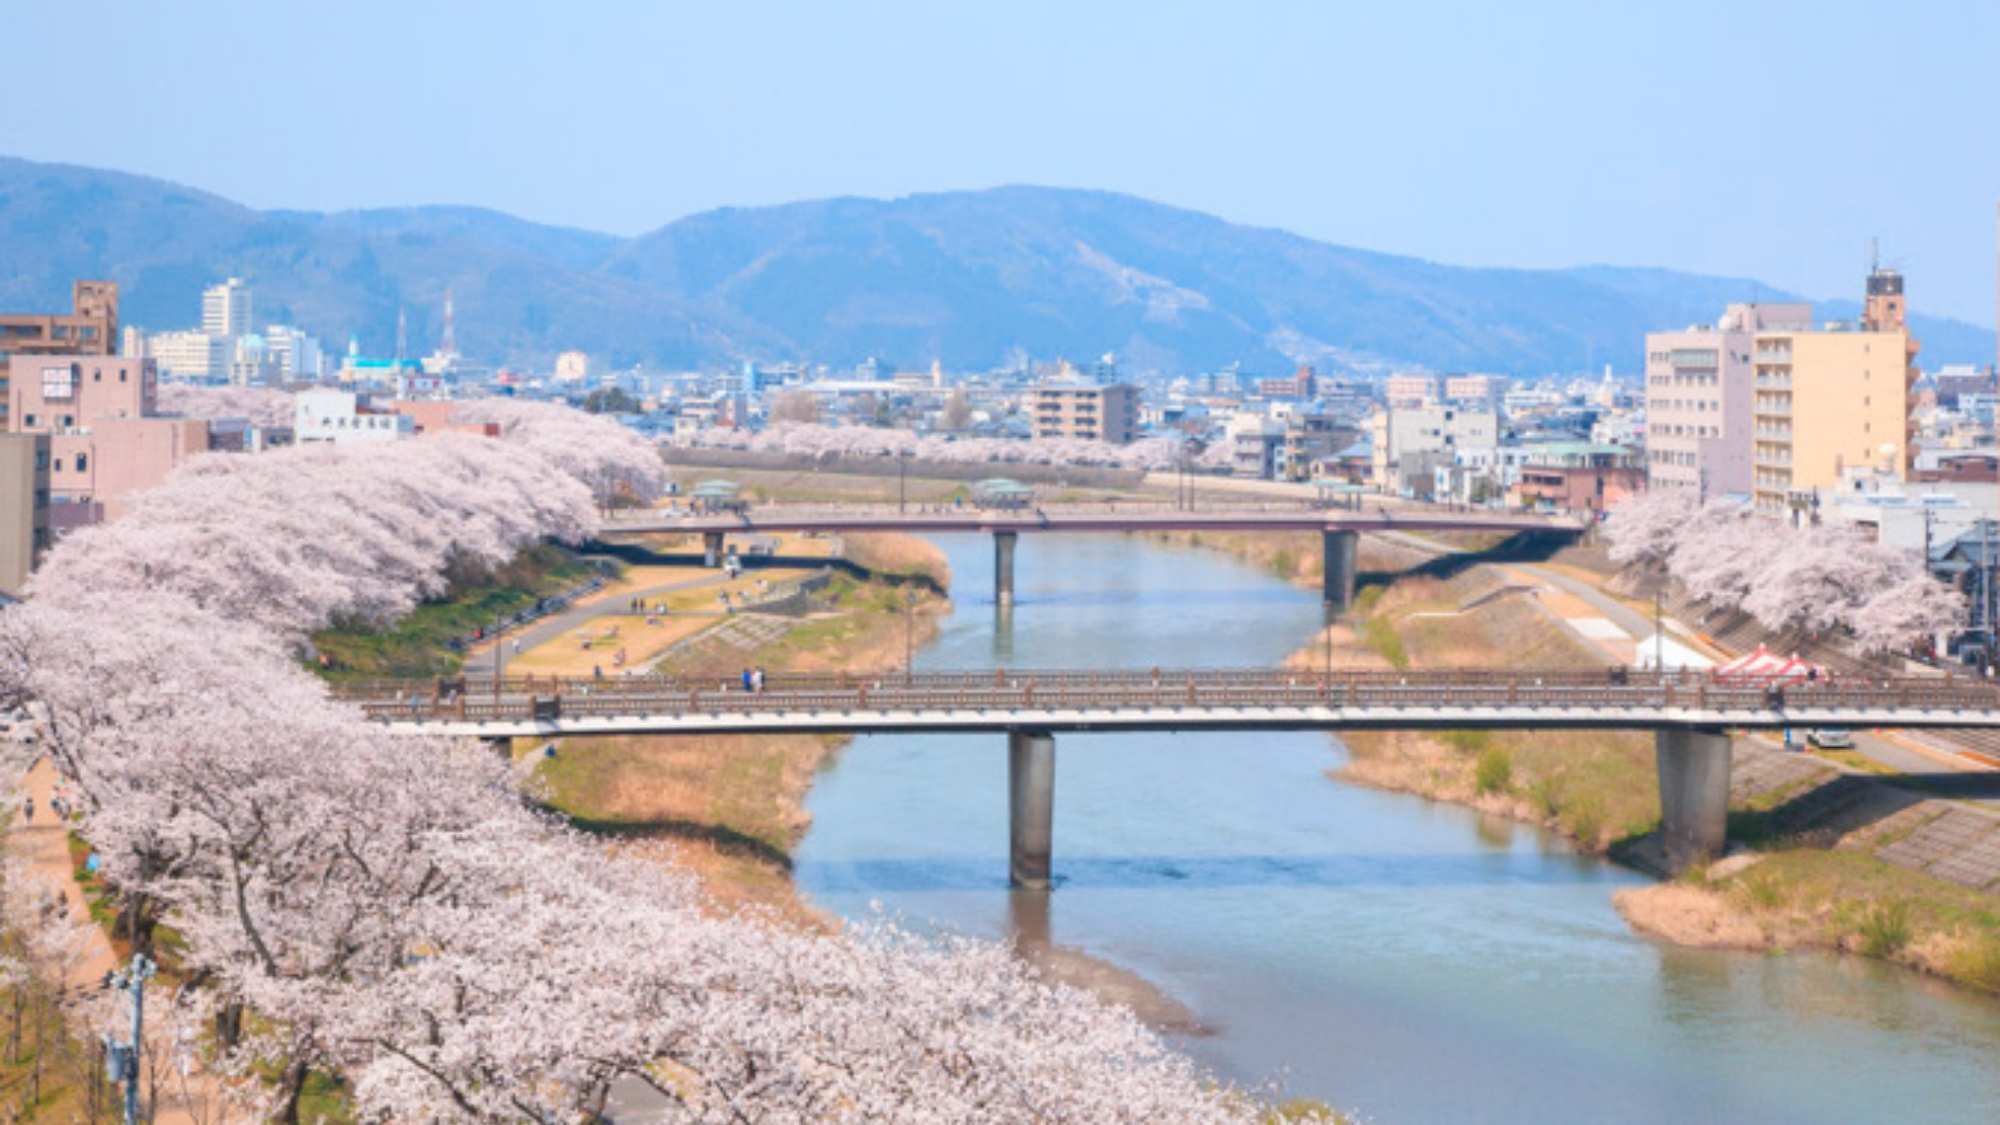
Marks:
<point>82,462</point>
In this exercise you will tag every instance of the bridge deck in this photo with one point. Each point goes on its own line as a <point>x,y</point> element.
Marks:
<point>1236,699</point>
<point>1140,516</point>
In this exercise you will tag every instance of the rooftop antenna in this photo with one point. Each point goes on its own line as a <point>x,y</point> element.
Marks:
<point>402,333</point>
<point>1874,254</point>
<point>449,344</point>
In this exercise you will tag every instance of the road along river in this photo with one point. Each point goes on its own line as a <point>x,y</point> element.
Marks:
<point>1414,961</point>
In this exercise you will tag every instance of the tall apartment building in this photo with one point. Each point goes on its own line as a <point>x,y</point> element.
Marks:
<point>189,355</point>
<point>225,309</point>
<point>1827,401</point>
<point>1073,408</point>
<point>1699,399</point>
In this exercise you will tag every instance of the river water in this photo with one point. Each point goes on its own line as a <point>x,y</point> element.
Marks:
<point>1410,960</point>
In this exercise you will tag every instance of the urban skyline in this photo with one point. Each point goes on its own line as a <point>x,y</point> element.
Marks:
<point>1545,136</point>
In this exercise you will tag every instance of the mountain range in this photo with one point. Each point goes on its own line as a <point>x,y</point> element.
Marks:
<point>972,278</point>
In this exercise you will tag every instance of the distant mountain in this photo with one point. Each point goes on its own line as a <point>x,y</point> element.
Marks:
<point>968,277</point>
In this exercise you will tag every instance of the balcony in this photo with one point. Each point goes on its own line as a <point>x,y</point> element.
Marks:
<point>1774,382</point>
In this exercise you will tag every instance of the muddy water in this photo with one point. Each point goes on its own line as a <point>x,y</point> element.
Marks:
<point>1417,962</point>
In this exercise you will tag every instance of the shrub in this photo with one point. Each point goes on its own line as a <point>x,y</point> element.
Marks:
<point>1548,794</point>
<point>1977,962</point>
<point>1467,741</point>
<point>1762,891</point>
<point>1586,821</point>
<point>1885,930</point>
<point>1494,772</point>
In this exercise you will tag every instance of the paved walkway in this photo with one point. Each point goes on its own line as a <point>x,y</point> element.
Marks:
<point>479,661</point>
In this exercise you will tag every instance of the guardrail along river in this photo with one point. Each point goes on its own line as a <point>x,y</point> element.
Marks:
<point>1414,961</point>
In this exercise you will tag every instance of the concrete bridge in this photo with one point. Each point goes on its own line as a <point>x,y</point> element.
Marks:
<point>1339,527</point>
<point>1689,714</point>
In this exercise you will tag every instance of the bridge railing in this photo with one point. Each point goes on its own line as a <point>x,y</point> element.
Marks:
<point>522,698</point>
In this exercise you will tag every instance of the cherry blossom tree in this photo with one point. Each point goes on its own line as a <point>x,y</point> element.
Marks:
<point>396,911</point>
<point>1816,579</point>
<point>608,458</point>
<point>263,406</point>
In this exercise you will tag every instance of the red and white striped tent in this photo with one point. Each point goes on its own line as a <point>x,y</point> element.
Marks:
<point>1765,666</point>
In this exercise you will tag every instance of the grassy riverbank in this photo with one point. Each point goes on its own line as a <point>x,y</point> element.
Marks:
<point>730,809</point>
<point>418,645</point>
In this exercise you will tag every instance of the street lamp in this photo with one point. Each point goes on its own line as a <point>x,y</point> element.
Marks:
<point>121,1060</point>
<point>902,480</point>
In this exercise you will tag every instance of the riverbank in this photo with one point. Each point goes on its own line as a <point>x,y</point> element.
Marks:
<point>730,809</point>
<point>1805,873</point>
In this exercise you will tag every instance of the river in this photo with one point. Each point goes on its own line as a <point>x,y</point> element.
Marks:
<point>1413,961</point>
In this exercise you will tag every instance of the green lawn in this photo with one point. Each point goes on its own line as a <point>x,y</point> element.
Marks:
<point>417,646</point>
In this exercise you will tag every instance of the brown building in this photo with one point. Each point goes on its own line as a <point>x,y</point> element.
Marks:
<point>90,328</point>
<point>1072,408</point>
<point>24,507</point>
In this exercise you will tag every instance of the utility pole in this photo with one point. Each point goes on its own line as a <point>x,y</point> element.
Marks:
<point>1659,629</point>
<point>121,1060</point>
<point>902,481</point>
<point>909,647</point>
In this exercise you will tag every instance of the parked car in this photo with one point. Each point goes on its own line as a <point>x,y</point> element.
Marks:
<point>1831,738</point>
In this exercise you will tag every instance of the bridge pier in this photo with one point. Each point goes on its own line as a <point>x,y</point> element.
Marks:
<point>1031,790</point>
<point>1338,567</point>
<point>1003,566</point>
<point>711,549</point>
<point>1694,793</point>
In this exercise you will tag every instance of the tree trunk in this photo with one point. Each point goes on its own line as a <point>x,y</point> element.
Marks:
<point>288,1100</point>
<point>229,1024</point>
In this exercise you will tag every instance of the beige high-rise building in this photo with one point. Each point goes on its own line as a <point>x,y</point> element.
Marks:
<point>1830,400</point>
<point>1699,399</point>
<point>1074,408</point>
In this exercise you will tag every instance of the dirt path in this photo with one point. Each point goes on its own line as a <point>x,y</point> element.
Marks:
<point>43,846</point>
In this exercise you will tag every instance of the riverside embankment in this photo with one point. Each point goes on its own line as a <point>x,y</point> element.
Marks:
<point>1362,942</point>
<point>1819,840</point>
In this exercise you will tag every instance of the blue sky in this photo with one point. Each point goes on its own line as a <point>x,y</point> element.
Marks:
<point>1757,139</point>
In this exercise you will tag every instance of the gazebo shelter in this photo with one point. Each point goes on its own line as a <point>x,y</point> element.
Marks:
<point>718,496</point>
<point>1000,492</point>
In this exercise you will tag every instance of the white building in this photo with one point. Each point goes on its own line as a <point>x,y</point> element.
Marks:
<point>225,309</point>
<point>189,355</point>
<point>343,418</point>
<point>1411,442</point>
<point>296,355</point>
<point>572,367</point>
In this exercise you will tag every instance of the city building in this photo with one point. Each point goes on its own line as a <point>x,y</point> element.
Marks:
<point>1833,399</point>
<point>194,356</point>
<point>345,418</point>
<point>1407,390</point>
<point>1302,384</point>
<point>1577,477</point>
<point>1074,408</point>
<point>89,328</point>
<point>1409,443</point>
<point>1475,390</point>
<point>24,507</point>
<point>296,356</point>
<point>225,309</point>
<point>1699,398</point>
<point>572,367</point>
<point>105,444</point>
